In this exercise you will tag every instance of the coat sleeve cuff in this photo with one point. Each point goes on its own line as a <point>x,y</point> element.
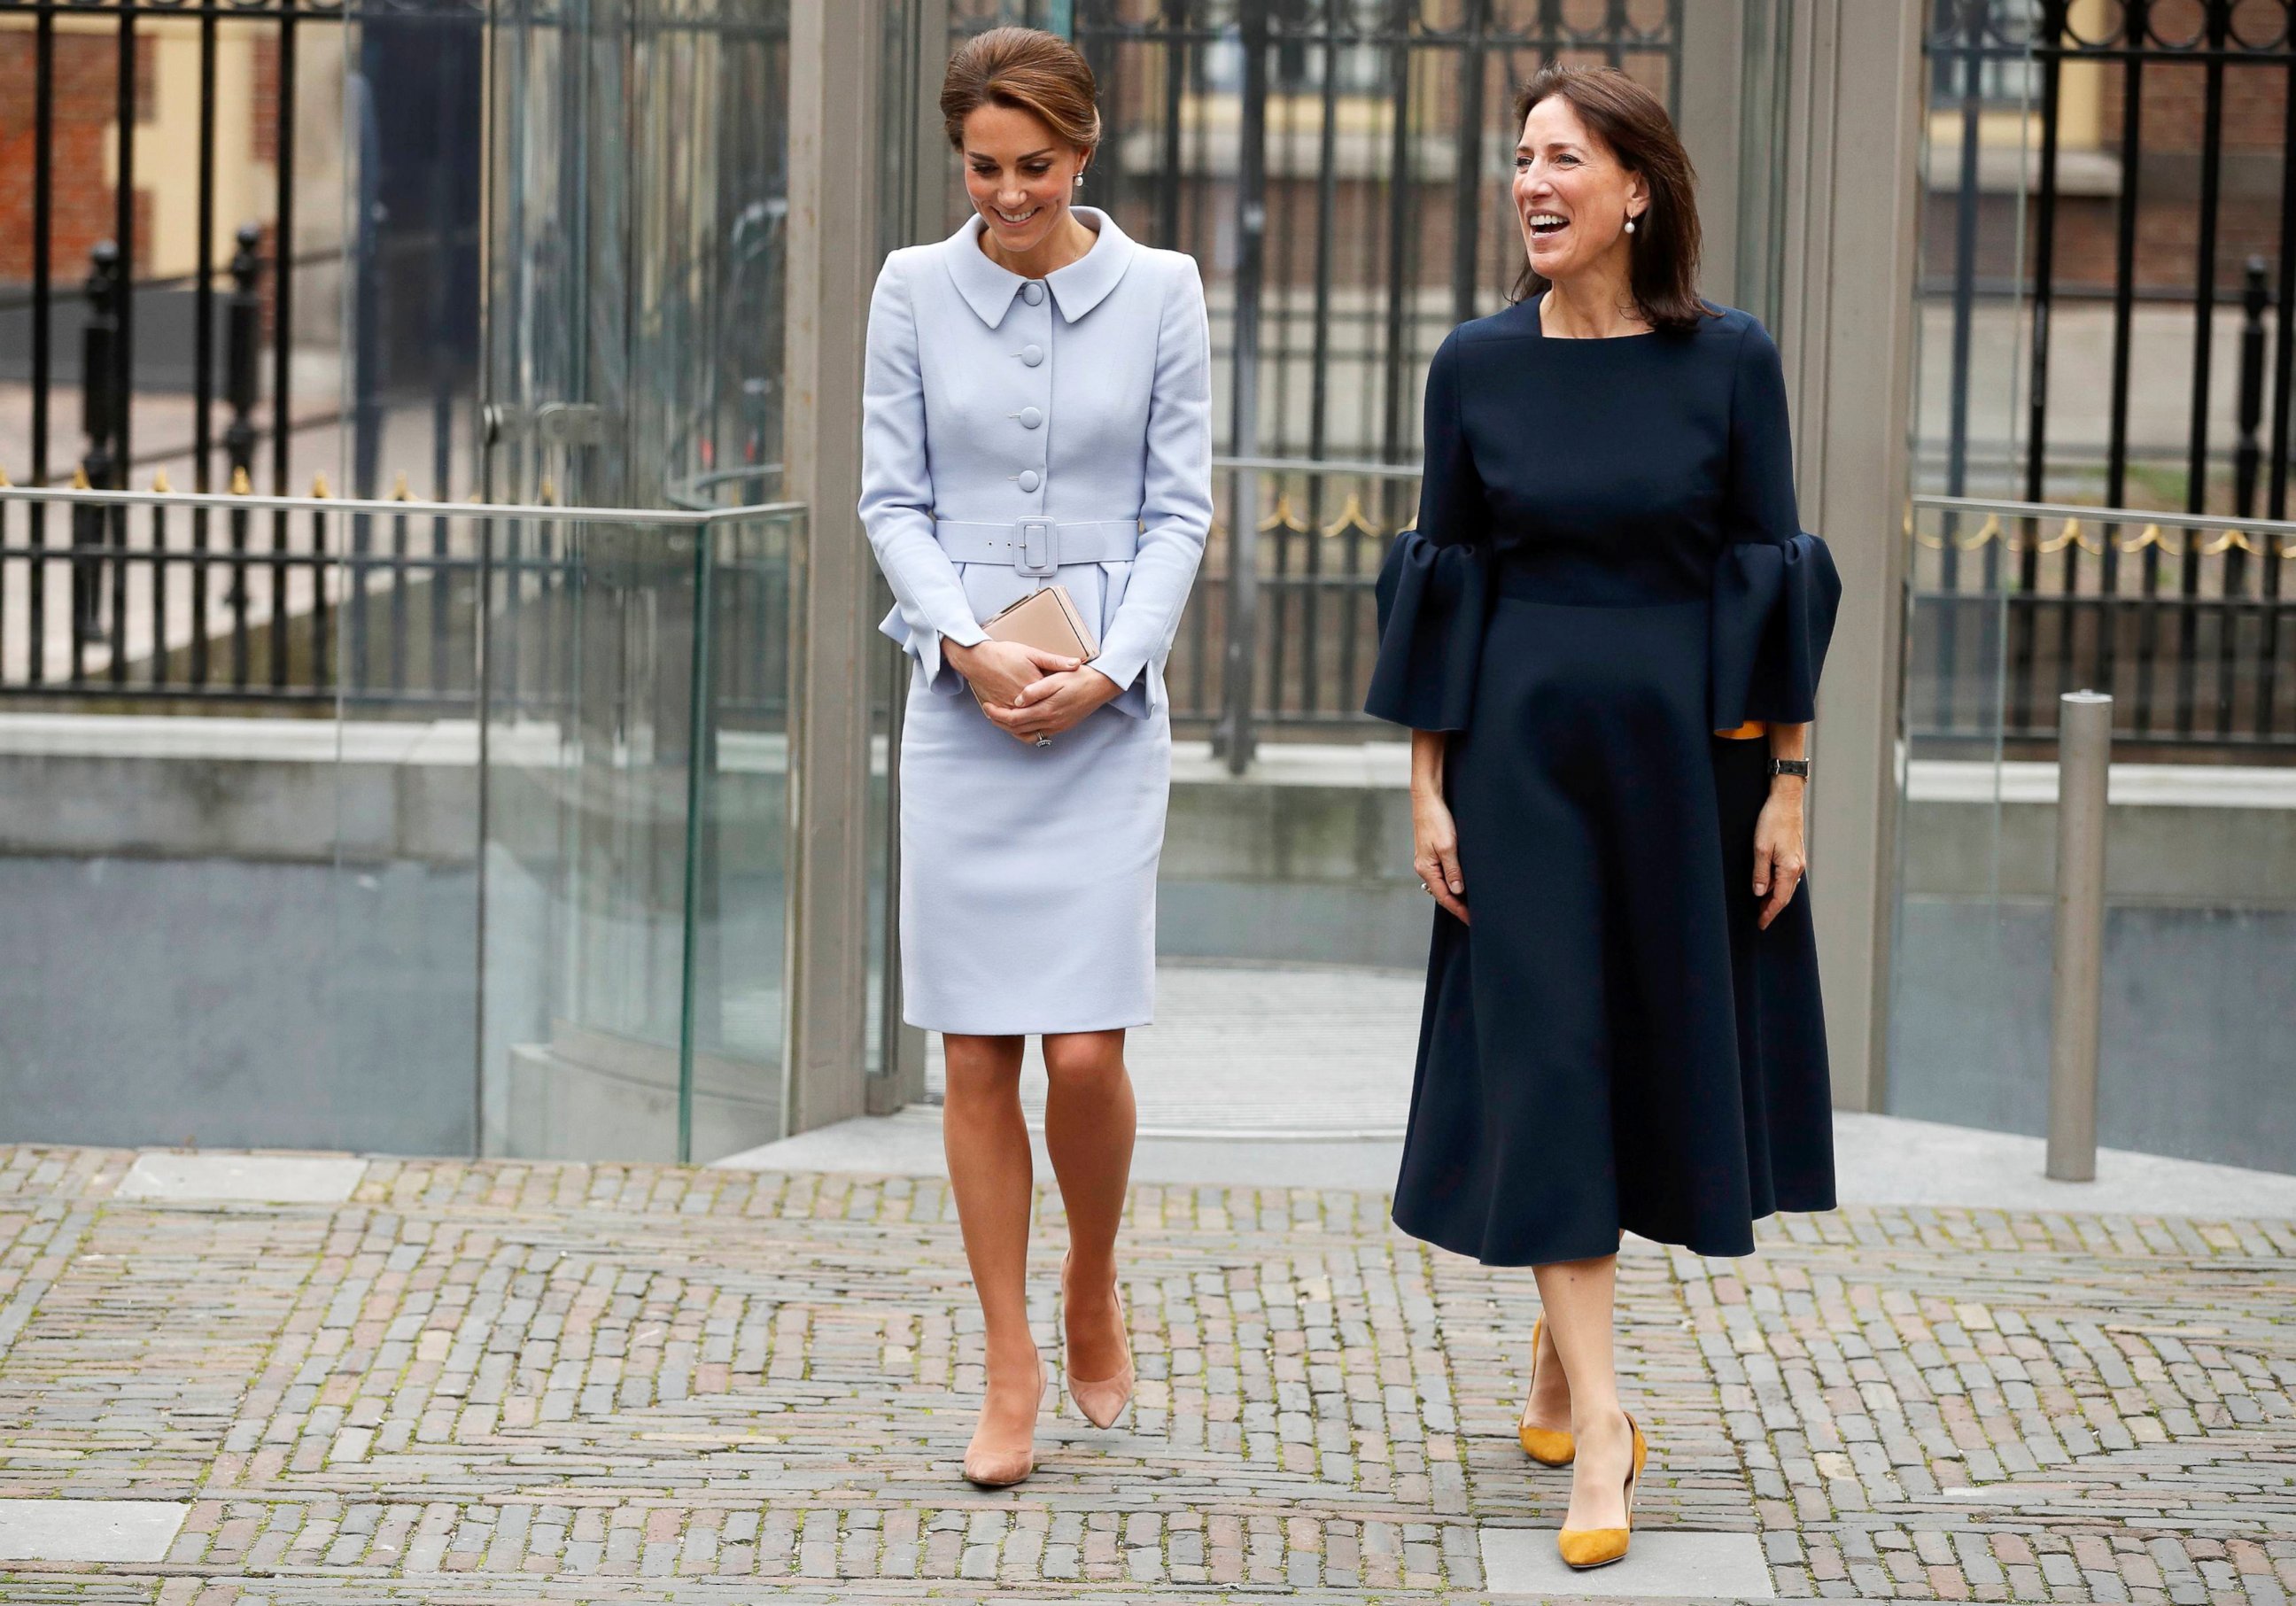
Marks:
<point>1772,614</point>
<point>922,644</point>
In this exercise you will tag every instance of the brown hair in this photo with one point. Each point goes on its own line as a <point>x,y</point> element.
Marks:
<point>1024,69</point>
<point>1631,122</point>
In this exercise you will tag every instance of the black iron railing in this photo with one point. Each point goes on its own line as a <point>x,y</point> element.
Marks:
<point>116,353</point>
<point>2208,666</point>
<point>1282,604</point>
<point>2145,56</point>
<point>441,598</point>
<point>2179,94</point>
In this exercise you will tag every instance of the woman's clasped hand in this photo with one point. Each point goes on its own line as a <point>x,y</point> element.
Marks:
<point>1028,692</point>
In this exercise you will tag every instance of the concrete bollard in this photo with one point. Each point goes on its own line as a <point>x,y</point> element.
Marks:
<point>2076,974</point>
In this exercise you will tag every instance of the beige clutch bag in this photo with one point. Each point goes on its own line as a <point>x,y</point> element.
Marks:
<point>1046,620</point>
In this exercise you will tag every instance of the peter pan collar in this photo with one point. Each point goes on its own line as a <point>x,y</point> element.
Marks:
<point>1077,289</point>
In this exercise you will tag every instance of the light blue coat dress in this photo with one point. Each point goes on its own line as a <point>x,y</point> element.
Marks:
<point>1018,432</point>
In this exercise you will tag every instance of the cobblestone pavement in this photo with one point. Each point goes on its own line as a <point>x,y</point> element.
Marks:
<point>498,1382</point>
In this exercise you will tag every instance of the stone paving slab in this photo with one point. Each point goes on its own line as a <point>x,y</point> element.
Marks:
<point>499,1382</point>
<point>252,1178</point>
<point>1666,1564</point>
<point>88,1530</point>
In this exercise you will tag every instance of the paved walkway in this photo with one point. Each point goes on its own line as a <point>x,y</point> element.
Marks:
<point>1264,1051</point>
<point>444,1382</point>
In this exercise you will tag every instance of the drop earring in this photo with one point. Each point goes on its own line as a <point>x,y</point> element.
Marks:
<point>1630,226</point>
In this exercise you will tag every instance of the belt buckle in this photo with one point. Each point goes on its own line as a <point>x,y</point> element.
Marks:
<point>1037,540</point>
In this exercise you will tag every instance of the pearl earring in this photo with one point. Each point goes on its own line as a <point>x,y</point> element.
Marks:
<point>1630,226</point>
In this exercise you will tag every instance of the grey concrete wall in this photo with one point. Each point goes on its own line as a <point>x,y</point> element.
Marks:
<point>238,933</point>
<point>2199,1030</point>
<point>2199,1021</point>
<point>1320,872</point>
<point>225,1001</point>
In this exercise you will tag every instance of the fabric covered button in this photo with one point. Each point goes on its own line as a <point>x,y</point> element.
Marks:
<point>1031,418</point>
<point>1031,480</point>
<point>1032,292</point>
<point>1032,355</point>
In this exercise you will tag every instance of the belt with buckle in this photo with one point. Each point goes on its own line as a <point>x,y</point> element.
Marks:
<point>1037,547</point>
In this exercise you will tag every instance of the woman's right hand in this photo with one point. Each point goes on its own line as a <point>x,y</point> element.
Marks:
<point>1435,849</point>
<point>1000,671</point>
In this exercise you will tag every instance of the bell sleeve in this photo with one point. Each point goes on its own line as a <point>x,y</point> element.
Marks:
<point>1775,591</point>
<point>1434,589</point>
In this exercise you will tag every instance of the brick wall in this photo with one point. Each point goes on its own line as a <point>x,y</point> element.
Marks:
<point>2173,105</point>
<point>2168,183</point>
<point>86,106</point>
<point>86,98</point>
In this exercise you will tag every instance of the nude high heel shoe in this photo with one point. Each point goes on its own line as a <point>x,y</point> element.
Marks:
<point>994,1466</point>
<point>1548,1446</point>
<point>1103,1401</point>
<point>1585,1547</point>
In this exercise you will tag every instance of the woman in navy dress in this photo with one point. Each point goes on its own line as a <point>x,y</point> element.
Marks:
<point>1605,634</point>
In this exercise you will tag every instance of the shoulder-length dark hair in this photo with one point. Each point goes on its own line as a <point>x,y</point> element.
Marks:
<point>1630,120</point>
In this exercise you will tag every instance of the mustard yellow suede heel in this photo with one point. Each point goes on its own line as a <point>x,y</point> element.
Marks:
<point>1585,1547</point>
<point>1548,1446</point>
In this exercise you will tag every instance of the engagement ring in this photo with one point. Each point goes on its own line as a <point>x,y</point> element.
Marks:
<point>1042,740</point>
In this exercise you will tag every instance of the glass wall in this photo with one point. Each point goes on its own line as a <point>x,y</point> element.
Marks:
<point>638,193</point>
<point>638,712</point>
<point>633,871</point>
<point>454,791</point>
<point>2102,468</point>
<point>1962,1009</point>
<point>604,976</point>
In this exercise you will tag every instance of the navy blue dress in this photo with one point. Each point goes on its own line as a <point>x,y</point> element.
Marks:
<point>1608,570</point>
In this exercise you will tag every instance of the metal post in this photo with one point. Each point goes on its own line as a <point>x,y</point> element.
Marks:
<point>244,318</point>
<point>2248,456</point>
<point>99,411</point>
<point>2084,760</point>
<point>1235,736</point>
<point>2247,465</point>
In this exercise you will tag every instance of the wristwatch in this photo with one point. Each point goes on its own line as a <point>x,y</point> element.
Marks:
<point>1790,766</point>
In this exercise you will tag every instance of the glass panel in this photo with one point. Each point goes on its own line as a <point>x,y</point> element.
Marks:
<point>1969,997</point>
<point>399,605</point>
<point>589,727</point>
<point>1964,1027</point>
<point>740,862</point>
<point>637,205</point>
<point>639,197</point>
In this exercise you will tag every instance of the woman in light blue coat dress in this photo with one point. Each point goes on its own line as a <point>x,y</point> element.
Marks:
<point>1038,410</point>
